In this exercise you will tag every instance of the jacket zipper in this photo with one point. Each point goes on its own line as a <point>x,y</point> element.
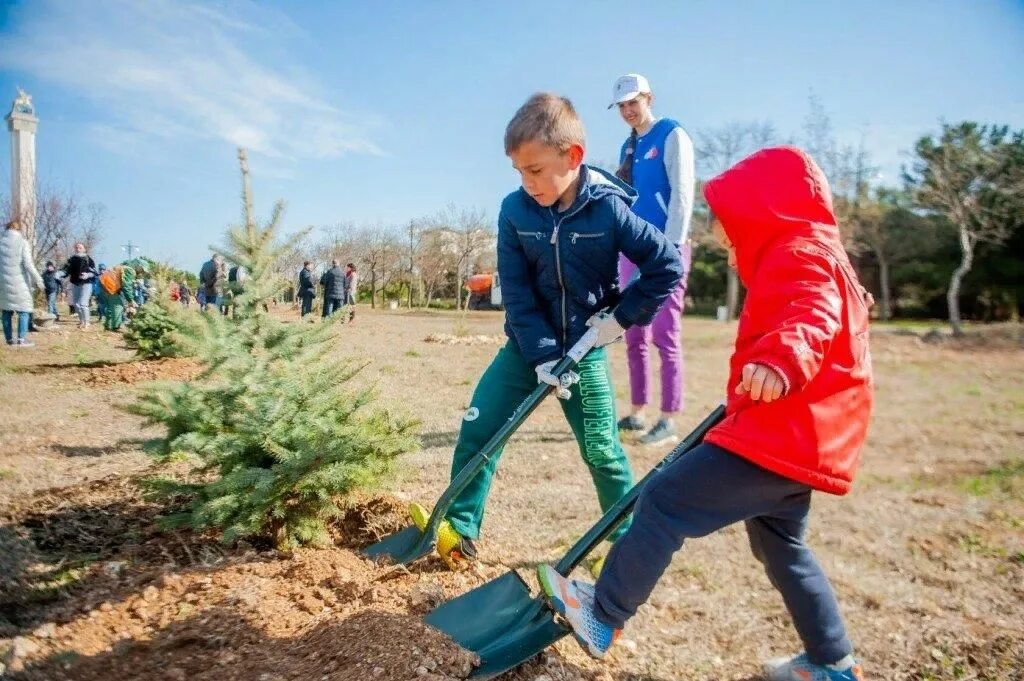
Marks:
<point>577,235</point>
<point>535,235</point>
<point>558,267</point>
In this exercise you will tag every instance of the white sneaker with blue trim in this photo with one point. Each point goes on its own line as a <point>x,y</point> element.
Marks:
<point>574,601</point>
<point>799,668</point>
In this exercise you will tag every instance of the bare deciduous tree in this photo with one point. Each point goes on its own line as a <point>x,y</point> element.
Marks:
<point>873,232</point>
<point>414,244</point>
<point>849,168</point>
<point>436,262</point>
<point>295,250</point>
<point>894,234</point>
<point>430,255</point>
<point>379,249</point>
<point>62,220</point>
<point>717,150</point>
<point>467,234</point>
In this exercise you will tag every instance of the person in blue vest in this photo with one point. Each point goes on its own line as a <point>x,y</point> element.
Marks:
<point>657,160</point>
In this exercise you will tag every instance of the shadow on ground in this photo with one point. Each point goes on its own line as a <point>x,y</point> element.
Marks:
<point>119,447</point>
<point>48,367</point>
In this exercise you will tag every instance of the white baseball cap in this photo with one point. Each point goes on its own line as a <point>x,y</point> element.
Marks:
<point>628,87</point>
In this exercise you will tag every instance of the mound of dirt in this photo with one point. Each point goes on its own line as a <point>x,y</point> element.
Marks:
<point>147,604</point>
<point>316,614</point>
<point>90,537</point>
<point>167,369</point>
<point>449,339</point>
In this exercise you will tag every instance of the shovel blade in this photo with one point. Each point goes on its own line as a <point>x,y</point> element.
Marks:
<point>499,621</point>
<point>401,547</point>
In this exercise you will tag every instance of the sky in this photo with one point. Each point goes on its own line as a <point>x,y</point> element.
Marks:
<point>378,113</point>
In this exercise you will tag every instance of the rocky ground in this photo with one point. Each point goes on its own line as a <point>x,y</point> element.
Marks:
<point>926,554</point>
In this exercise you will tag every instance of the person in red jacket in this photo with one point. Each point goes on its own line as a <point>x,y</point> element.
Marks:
<point>799,402</point>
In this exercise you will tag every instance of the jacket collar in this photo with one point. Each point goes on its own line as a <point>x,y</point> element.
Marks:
<point>594,183</point>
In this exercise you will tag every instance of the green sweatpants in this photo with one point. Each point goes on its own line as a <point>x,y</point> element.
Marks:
<point>113,307</point>
<point>590,413</point>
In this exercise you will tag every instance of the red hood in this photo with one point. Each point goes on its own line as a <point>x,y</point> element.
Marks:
<point>779,191</point>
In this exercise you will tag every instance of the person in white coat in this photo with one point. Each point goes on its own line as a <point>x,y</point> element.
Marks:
<point>18,276</point>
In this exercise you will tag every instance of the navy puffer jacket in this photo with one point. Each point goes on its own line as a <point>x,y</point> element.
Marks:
<point>333,281</point>
<point>558,269</point>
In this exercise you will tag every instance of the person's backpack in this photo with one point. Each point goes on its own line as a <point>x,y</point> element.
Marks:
<point>111,281</point>
<point>233,274</point>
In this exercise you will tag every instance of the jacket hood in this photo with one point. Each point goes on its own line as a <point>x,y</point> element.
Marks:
<point>595,183</point>
<point>776,192</point>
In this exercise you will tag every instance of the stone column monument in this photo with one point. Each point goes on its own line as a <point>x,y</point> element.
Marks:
<point>22,123</point>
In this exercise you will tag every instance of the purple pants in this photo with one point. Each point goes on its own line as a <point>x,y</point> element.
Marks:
<point>666,333</point>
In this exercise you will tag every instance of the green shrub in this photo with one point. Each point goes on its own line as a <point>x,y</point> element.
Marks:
<point>279,431</point>
<point>156,329</point>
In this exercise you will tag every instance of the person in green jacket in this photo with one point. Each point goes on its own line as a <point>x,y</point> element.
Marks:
<point>114,303</point>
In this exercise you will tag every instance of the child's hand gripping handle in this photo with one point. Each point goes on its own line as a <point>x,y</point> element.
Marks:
<point>603,329</point>
<point>559,374</point>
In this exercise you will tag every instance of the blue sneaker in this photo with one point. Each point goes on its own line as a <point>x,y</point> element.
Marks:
<point>574,601</point>
<point>664,431</point>
<point>799,668</point>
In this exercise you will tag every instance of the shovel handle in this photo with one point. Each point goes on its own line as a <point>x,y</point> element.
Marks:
<point>617,513</point>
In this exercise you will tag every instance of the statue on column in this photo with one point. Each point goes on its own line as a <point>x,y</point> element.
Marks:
<point>23,103</point>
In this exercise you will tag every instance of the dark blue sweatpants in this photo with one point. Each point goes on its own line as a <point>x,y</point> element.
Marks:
<point>706,490</point>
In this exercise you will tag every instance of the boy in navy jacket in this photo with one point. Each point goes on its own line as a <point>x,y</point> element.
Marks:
<point>559,240</point>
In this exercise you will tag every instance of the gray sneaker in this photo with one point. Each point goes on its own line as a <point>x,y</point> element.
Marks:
<point>663,431</point>
<point>25,343</point>
<point>631,423</point>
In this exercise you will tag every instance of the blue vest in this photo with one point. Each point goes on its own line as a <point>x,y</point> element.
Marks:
<point>649,177</point>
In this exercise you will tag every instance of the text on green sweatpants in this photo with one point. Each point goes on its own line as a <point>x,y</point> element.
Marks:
<point>590,413</point>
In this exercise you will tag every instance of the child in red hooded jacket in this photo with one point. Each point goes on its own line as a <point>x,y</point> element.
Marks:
<point>799,401</point>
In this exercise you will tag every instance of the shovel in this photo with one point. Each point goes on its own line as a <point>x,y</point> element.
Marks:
<point>409,544</point>
<point>502,622</point>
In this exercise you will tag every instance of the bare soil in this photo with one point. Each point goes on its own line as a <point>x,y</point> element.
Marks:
<point>926,554</point>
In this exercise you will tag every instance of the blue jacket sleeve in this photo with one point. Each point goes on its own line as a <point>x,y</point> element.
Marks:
<point>533,332</point>
<point>658,261</point>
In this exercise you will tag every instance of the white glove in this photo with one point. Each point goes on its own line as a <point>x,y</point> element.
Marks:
<point>608,328</point>
<point>562,391</point>
<point>86,275</point>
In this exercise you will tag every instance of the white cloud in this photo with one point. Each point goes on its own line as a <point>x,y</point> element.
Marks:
<point>171,70</point>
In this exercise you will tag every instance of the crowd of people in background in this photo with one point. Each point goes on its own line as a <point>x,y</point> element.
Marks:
<point>219,286</point>
<point>117,292</point>
<point>339,287</point>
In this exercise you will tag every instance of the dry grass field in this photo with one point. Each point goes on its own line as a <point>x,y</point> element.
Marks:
<point>927,552</point>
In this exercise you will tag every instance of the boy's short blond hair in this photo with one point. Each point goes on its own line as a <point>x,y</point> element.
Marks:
<point>546,118</point>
